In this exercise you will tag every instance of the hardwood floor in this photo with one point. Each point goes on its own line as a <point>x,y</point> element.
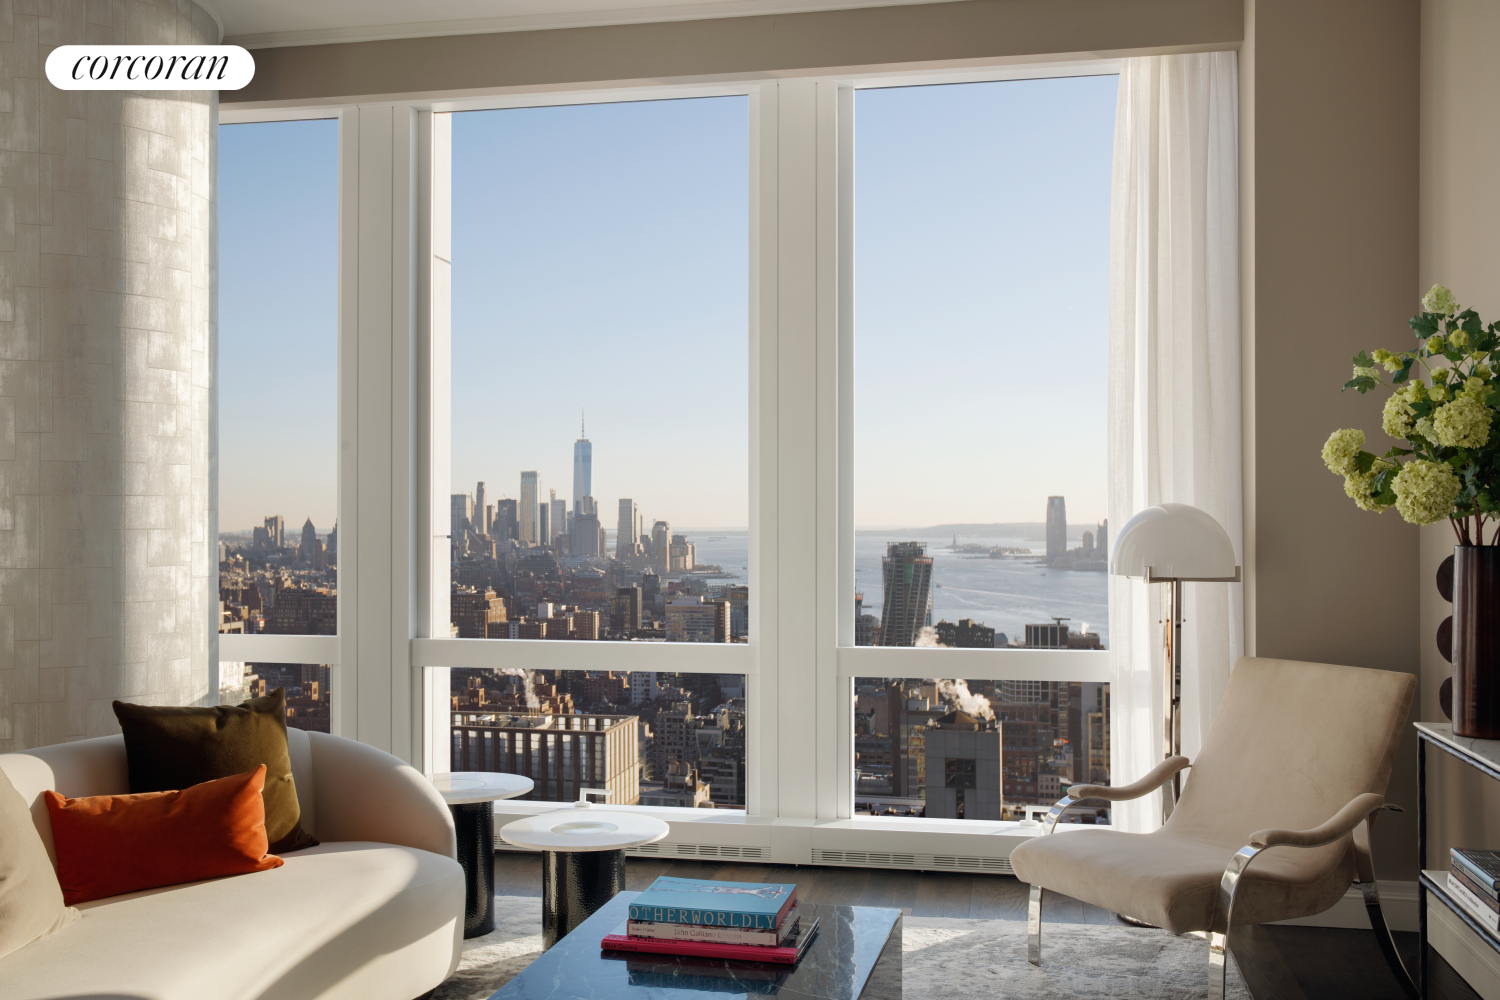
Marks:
<point>1279,963</point>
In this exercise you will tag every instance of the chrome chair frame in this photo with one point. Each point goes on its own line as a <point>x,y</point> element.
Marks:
<point>1218,943</point>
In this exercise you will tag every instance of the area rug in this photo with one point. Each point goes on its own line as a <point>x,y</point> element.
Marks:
<point>941,958</point>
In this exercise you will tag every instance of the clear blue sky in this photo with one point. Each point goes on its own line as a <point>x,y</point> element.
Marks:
<point>981,300</point>
<point>600,264</point>
<point>278,323</point>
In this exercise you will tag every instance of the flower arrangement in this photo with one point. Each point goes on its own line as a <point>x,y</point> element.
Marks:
<point>1444,396</point>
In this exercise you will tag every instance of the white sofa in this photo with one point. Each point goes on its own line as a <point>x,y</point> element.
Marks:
<point>375,912</point>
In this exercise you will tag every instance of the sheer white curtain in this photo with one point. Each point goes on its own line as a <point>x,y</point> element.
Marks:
<point>1174,385</point>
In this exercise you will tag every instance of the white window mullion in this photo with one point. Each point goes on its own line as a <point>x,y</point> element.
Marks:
<point>344,713</point>
<point>434,418</point>
<point>841,531</point>
<point>796,606</point>
<point>829,167</point>
<point>762,743</point>
<point>380,404</point>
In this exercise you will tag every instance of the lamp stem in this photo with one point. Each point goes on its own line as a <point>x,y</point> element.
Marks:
<point>1172,694</point>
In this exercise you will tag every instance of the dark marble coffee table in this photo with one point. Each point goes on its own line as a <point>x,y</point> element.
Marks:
<point>856,956</point>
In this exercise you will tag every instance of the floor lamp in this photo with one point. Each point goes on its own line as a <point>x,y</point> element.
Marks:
<point>1174,543</point>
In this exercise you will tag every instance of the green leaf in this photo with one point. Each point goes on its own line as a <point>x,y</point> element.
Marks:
<point>1364,461</point>
<point>1363,383</point>
<point>1386,498</point>
<point>1424,325</point>
<point>1363,360</point>
<point>1396,451</point>
<point>1404,372</point>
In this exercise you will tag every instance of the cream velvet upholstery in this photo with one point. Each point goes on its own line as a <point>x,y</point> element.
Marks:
<point>375,912</point>
<point>1292,745</point>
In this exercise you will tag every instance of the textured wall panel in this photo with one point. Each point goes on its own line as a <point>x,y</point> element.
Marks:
<point>106,354</point>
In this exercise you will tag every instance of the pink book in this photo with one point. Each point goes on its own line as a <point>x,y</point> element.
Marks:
<point>787,955</point>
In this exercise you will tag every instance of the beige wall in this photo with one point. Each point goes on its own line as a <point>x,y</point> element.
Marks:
<point>1334,270</point>
<point>1460,199</point>
<point>736,47</point>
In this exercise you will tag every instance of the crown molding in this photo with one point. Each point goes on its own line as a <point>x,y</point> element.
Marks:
<point>543,22</point>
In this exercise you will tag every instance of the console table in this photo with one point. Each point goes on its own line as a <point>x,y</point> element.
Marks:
<point>1484,757</point>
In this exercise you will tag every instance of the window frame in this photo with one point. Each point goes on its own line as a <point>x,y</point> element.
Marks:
<point>390,679</point>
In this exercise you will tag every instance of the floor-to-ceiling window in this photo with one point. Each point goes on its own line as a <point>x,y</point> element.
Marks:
<point>981,253</point>
<point>278,403</point>
<point>599,446</point>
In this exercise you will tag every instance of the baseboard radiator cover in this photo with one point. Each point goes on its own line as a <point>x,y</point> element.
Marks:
<point>665,850</point>
<point>916,862</point>
<point>661,849</point>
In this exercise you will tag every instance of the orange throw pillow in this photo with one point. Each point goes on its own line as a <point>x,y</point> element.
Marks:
<point>110,844</point>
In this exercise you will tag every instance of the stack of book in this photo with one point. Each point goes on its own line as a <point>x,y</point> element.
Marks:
<point>752,921</point>
<point>1474,881</point>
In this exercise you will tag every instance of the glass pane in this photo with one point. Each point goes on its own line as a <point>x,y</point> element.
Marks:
<point>600,372</point>
<point>278,378</point>
<point>967,749</point>
<point>982,284</point>
<point>656,739</point>
<point>308,686</point>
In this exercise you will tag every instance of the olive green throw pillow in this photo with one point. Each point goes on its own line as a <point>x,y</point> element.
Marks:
<point>168,749</point>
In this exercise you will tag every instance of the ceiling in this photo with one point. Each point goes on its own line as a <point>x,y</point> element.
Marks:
<point>266,23</point>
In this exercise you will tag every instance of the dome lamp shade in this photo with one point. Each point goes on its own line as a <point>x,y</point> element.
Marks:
<point>1174,541</point>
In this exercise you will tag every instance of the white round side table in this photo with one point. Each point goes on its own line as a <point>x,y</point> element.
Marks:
<point>583,859</point>
<point>470,796</point>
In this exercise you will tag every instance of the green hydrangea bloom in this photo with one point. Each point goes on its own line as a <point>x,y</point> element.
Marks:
<point>1341,451</point>
<point>1396,418</point>
<point>1439,300</point>
<point>1425,491</point>
<point>1463,423</point>
<point>1360,487</point>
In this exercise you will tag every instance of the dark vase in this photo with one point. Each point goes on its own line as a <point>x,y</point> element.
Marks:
<point>1476,641</point>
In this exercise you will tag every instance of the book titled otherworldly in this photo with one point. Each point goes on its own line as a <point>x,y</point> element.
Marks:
<point>751,905</point>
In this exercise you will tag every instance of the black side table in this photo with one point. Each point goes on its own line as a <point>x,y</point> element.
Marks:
<point>471,799</point>
<point>583,860</point>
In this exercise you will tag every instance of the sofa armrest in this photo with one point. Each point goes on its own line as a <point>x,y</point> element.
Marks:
<point>1341,823</point>
<point>1154,779</point>
<point>367,794</point>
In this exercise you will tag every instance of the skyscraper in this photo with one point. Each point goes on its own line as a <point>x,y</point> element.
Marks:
<point>1057,528</point>
<point>276,531</point>
<point>309,542</point>
<point>661,546</point>
<point>477,518</point>
<point>628,530</point>
<point>583,468</point>
<point>506,524</point>
<point>906,606</point>
<point>528,507</point>
<point>543,523</point>
<point>460,514</point>
<point>1102,542</point>
<point>559,516</point>
<point>584,537</point>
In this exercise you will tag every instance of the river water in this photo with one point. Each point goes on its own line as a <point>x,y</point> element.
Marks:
<point>1006,594</point>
